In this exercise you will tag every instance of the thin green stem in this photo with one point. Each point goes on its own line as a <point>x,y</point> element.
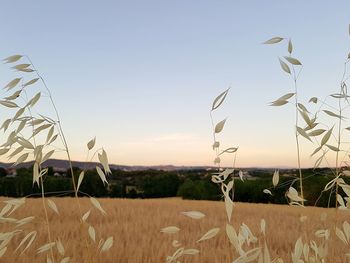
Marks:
<point>46,216</point>
<point>217,149</point>
<point>339,132</point>
<point>297,136</point>
<point>337,170</point>
<point>42,186</point>
<point>65,144</point>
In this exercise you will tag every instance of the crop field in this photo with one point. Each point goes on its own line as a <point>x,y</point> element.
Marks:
<point>135,226</point>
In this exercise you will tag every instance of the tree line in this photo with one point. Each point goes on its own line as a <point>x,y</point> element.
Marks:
<point>188,184</point>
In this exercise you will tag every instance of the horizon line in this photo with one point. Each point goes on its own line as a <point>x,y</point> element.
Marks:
<point>282,167</point>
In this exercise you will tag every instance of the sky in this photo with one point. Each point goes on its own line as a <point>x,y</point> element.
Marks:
<point>141,75</point>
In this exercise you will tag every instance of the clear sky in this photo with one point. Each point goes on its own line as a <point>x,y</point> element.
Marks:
<point>141,75</point>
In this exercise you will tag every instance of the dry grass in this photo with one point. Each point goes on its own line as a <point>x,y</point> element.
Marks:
<point>135,225</point>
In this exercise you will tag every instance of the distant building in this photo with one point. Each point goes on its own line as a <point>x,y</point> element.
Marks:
<point>11,172</point>
<point>59,169</point>
<point>57,172</point>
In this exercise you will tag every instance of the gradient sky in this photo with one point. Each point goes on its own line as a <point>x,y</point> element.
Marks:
<point>141,75</point>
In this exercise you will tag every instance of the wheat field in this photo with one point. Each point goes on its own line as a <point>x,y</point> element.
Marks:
<point>135,226</point>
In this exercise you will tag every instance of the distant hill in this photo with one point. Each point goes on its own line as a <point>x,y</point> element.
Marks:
<point>64,164</point>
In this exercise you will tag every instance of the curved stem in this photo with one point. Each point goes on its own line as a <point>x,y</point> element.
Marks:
<point>65,144</point>
<point>64,141</point>
<point>41,185</point>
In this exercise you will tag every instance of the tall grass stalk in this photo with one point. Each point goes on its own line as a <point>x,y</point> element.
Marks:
<point>40,152</point>
<point>295,79</point>
<point>61,133</point>
<point>293,62</point>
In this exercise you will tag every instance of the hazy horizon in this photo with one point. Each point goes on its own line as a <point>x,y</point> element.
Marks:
<point>141,75</point>
<point>179,165</point>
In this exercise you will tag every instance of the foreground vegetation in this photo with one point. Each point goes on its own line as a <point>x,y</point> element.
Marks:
<point>135,226</point>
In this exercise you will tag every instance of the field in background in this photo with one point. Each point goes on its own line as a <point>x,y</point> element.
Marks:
<point>136,224</point>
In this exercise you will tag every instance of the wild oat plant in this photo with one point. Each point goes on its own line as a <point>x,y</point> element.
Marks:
<point>31,135</point>
<point>312,127</point>
<point>248,246</point>
<point>300,109</point>
<point>328,137</point>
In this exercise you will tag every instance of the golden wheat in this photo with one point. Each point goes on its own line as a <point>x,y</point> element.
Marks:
<point>135,226</point>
